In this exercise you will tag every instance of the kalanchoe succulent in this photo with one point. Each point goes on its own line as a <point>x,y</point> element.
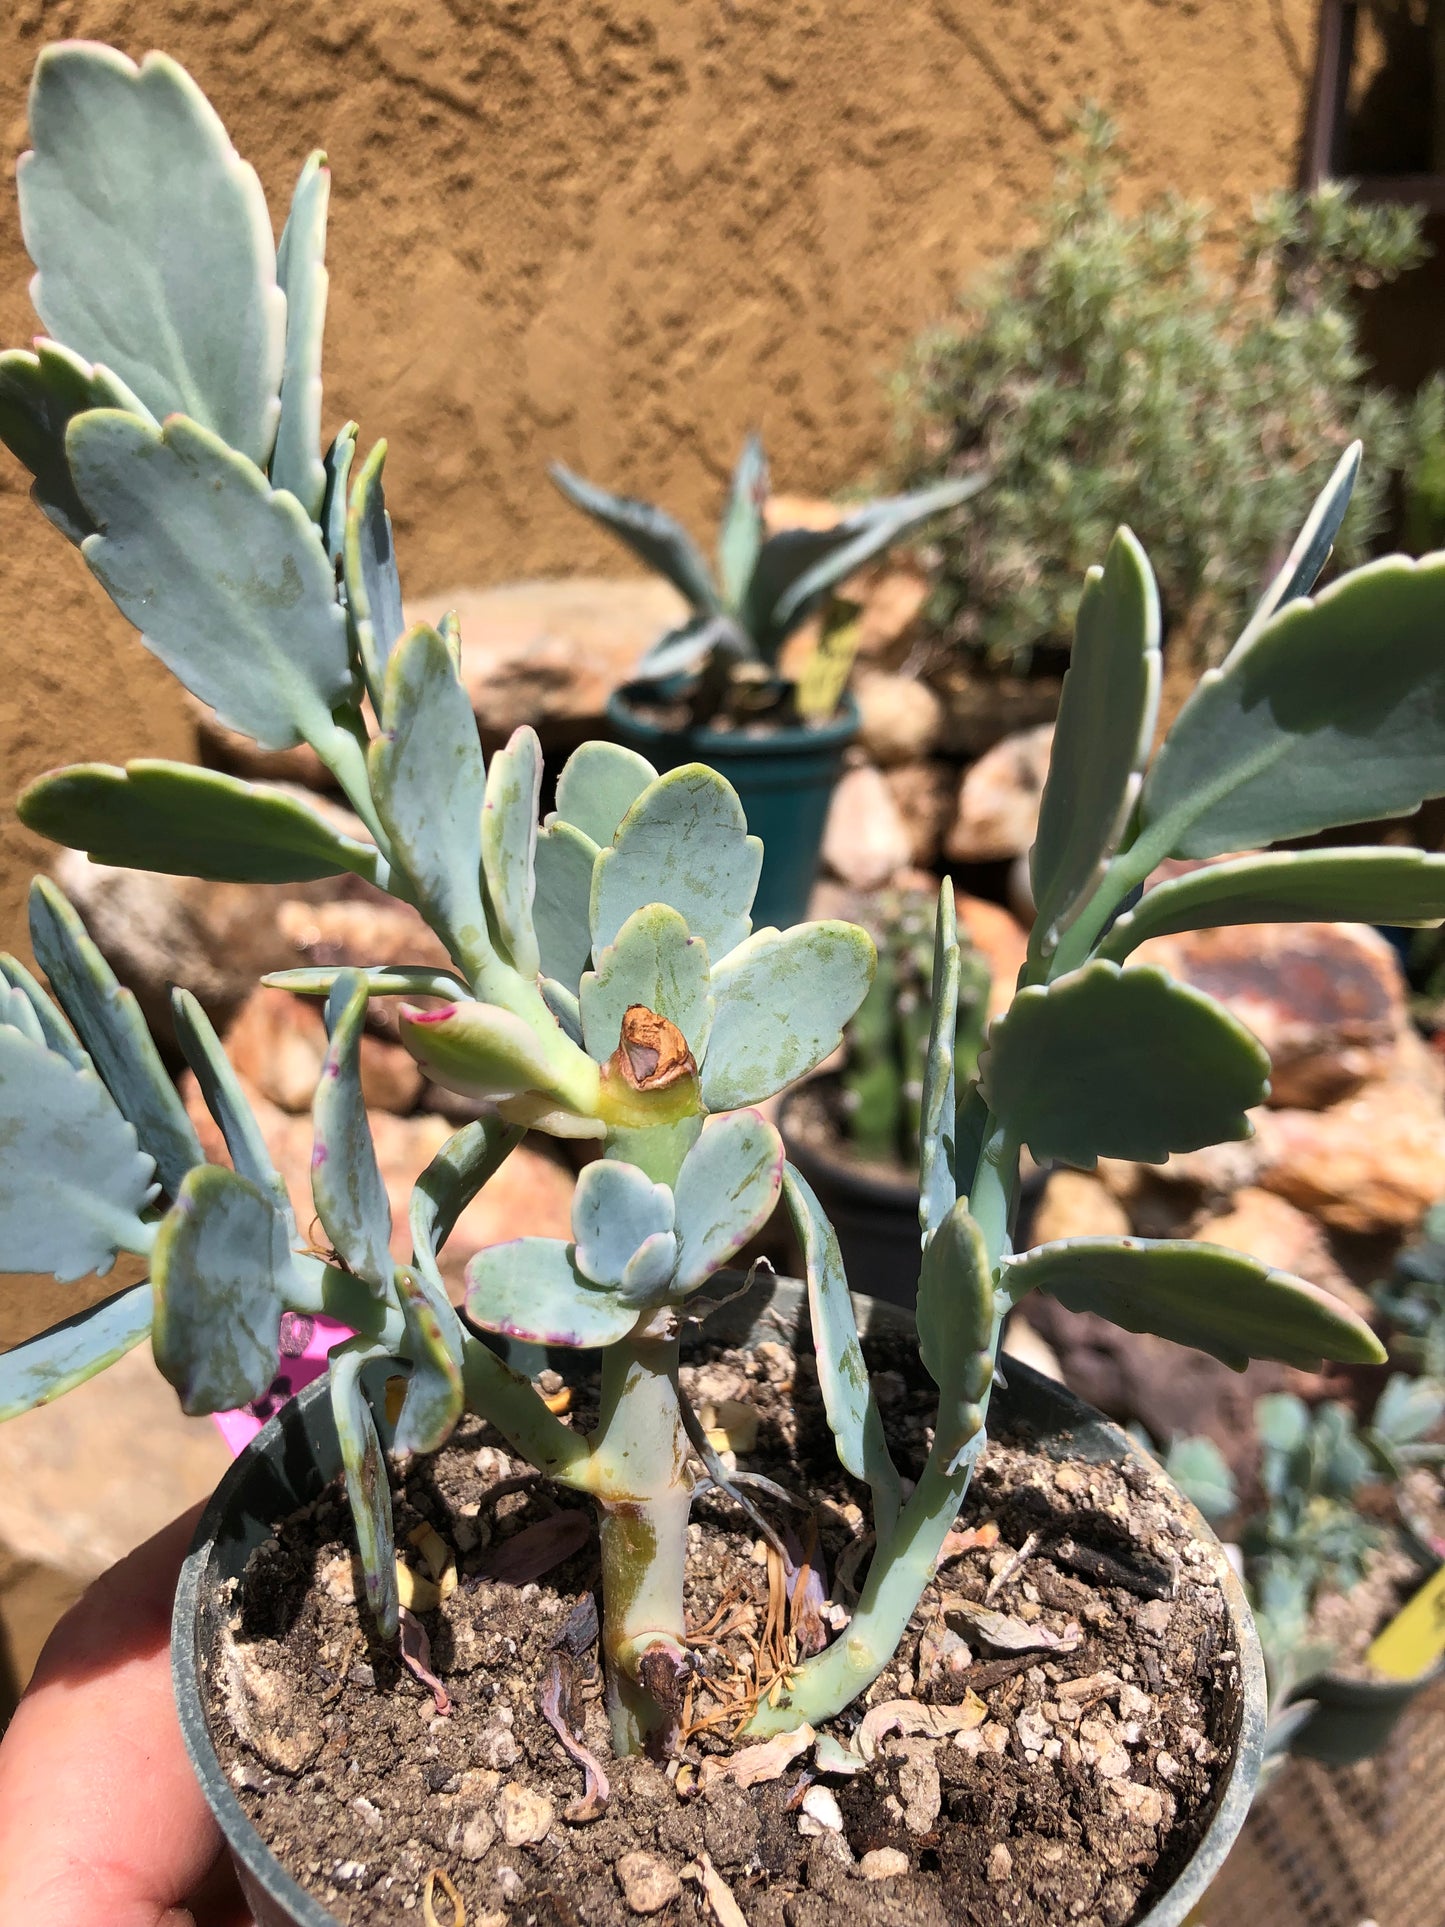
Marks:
<point>605,980</point>
<point>765,586</point>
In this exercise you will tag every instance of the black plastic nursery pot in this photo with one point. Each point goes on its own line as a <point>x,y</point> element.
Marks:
<point>784,775</point>
<point>296,1456</point>
<point>874,1213</point>
<point>1354,1718</point>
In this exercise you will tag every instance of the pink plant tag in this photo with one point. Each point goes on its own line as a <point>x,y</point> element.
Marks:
<point>305,1343</point>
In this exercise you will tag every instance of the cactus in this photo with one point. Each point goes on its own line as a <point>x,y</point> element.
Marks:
<point>766,586</point>
<point>605,981</point>
<point>887,1040</point>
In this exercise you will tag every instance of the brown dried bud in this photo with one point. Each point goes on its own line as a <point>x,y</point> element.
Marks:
<point>653,1053</point>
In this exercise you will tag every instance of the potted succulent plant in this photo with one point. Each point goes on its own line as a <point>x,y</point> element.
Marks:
<point>1328,1515</point>
<point>712,689</point>
<point>606,983</point>
<point>854,1133</point>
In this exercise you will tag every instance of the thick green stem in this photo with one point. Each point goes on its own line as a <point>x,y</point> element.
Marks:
<point>901,1569</point>
<point>643,1493</point>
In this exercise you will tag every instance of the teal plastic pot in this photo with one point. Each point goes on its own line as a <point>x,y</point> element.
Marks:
<point>785,777</point>
<point>1353,1718</point>
<point>296,1455</point>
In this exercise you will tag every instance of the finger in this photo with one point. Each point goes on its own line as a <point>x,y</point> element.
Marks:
<point>101,1817</point>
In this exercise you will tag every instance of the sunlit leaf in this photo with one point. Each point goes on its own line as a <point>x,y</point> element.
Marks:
<point>42,1368</point>
<point>782,998</point>
<point>301,270</point>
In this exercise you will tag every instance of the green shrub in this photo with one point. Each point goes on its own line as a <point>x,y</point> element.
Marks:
<point>1193,380</point>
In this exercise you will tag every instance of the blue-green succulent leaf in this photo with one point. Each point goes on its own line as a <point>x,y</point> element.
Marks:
<point>955,1327</point>
<point>741,537</point>
<point>782,999</point>
<point>1303,565</point>
<point>616,1208</point>
<point>1202,1295</point>
<point>428,781</point>
<point>1117,1063</point>
<point>599,784</point>
<point>433,1401</point>
<point>530,1289</point>
<point>1107,713</point>
<point>301,270</point>
<point>843,1379</point>
<point>55,1031</point>
<point>653,961</point>
<point>798,567</point>
<point>152,241</point>
<point>449,1183</point>
<point>680,651</point>
<point>1331,715</point>
<point>685,843</point>
<point>40,393</point>
<point>564,1006</point>
<point>351,1199</point>
<point>18,1013</point>
<point>367,1487</point>
<point>1399,886</point>
<point>221,1269</point>
<point>1409,1409</point>
<point>56,1361</point>
<point>725,1193</point>
<point>73,1180</point>
<point>382,980</point>
<point>1201,1471</point>
<point>373,586</point>
<point>109,1023</point>
<point>225,578</point>
<point>561,908</point>
<point>937,1157</point>
<point>509,844</point>
<point>649,532</point>
<point>1282,1421</point>
<point>189,822</point>
<point>227,1102</point>
<point>332,521</point>
<point>648,1273</point>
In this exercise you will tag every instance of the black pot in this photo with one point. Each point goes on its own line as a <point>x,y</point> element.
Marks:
<point>874,1213</point>
<point>295,1456</point>
<point>784,776</point>
<point>1353,1718</point>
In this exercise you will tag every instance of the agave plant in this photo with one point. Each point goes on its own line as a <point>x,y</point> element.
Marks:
<point>766,586</point>
<point>605,980</point>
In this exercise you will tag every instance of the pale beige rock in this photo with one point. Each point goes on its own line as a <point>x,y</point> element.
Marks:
<point>923,794</point>
<point>884,1863</point>
<point>648,1883</point>
<point>366,929</point>
<point>1374,1163</point>
<point>266,1714</point>
<point>525,1815</point>
<point>998,801</point>
<point>1000,1861</point>
<point>865,841</point>
<point>900,718</point>
<point>278,1043</point>
<point>1078,1205</point>
<point>1022,1342</point>
<point>551,652</point>
<point>1327,1001</point>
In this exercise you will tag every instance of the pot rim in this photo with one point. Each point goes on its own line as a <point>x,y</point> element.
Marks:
<point>827,737</point>
<point>1101,1439</point>
<point>869,1182</point>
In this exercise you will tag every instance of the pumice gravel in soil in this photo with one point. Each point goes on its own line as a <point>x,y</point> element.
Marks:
<point>1042,1749</point>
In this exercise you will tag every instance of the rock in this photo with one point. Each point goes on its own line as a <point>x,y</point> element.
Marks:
<point>529,1195</point>
<point>1326,1000</point>
<point>263,1708</point>
<point>982,708</point>
<point>1000,1862</point>
<point>1076,1204</point>
<point>821,1809</point>
<point>884,1863</point>
<point>526,1816</point>
<point>919,1787</point>
<point>1376,1162</point>
<point>1022,1342</point>
<point>551,652</point>
<point>901,718</point>
<point>475,1836</point>
<point>1003,941</point>
<point>1142,1803</point>
<point>278,1042</point>
<point>865,841</point>
<point>923,795</point>
<point>1268,1227</point>
<point>998,803</point>
<point>648,1884</point>
<point>364,928</point>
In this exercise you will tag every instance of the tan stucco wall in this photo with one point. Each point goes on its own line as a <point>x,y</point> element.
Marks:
<point>621,232</point>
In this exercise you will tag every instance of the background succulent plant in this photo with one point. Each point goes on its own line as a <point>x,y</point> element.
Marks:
<point>604,980</point>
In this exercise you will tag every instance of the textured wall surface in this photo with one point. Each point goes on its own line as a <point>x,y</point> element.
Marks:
<point>620,232</point>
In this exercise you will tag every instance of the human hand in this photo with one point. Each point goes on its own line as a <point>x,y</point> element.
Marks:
<point>102,1822</point>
